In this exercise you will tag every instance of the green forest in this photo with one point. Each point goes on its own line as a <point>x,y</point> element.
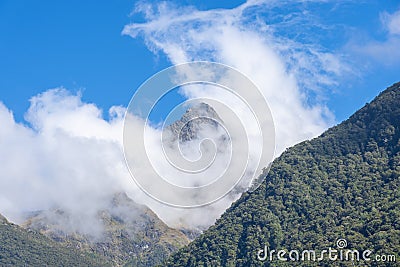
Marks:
<point>20,247</point>
<point>344,184</point>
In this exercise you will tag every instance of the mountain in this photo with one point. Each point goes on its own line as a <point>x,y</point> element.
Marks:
<point>20,247</point>
<point>188,126</point>
<point>340,191</point>
<point>132,233</point>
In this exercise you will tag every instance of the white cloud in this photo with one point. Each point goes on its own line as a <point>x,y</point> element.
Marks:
<point>289,73</point>
<point>391,22</point>
<point>384,51</point>
<point>69,157</point>
<point>284,69</point>
<point>57,110</point>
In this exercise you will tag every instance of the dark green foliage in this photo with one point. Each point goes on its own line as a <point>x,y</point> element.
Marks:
<point>20,247</point>
<point>343,184</point>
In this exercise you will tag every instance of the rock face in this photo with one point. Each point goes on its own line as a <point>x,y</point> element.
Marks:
<point>131,233</point>
<point>196,117</point>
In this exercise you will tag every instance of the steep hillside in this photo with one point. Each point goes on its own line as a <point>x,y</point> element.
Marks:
<point>344,184</point>
<point>132,233</point>
<point>20,247</point>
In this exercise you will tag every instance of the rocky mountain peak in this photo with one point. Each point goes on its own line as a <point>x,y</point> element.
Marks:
<point>193,120</point>
<point>200,110</point>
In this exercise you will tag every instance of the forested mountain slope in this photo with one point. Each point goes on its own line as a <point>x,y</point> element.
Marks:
<point>20,247</point>
<point>344,184</point>
<point>132,233</point>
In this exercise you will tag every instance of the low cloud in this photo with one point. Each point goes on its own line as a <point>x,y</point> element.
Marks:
<point>64,156</point>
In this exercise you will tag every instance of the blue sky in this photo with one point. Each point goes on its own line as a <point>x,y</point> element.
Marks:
<point>74,44</point>
<point>79,45</point>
